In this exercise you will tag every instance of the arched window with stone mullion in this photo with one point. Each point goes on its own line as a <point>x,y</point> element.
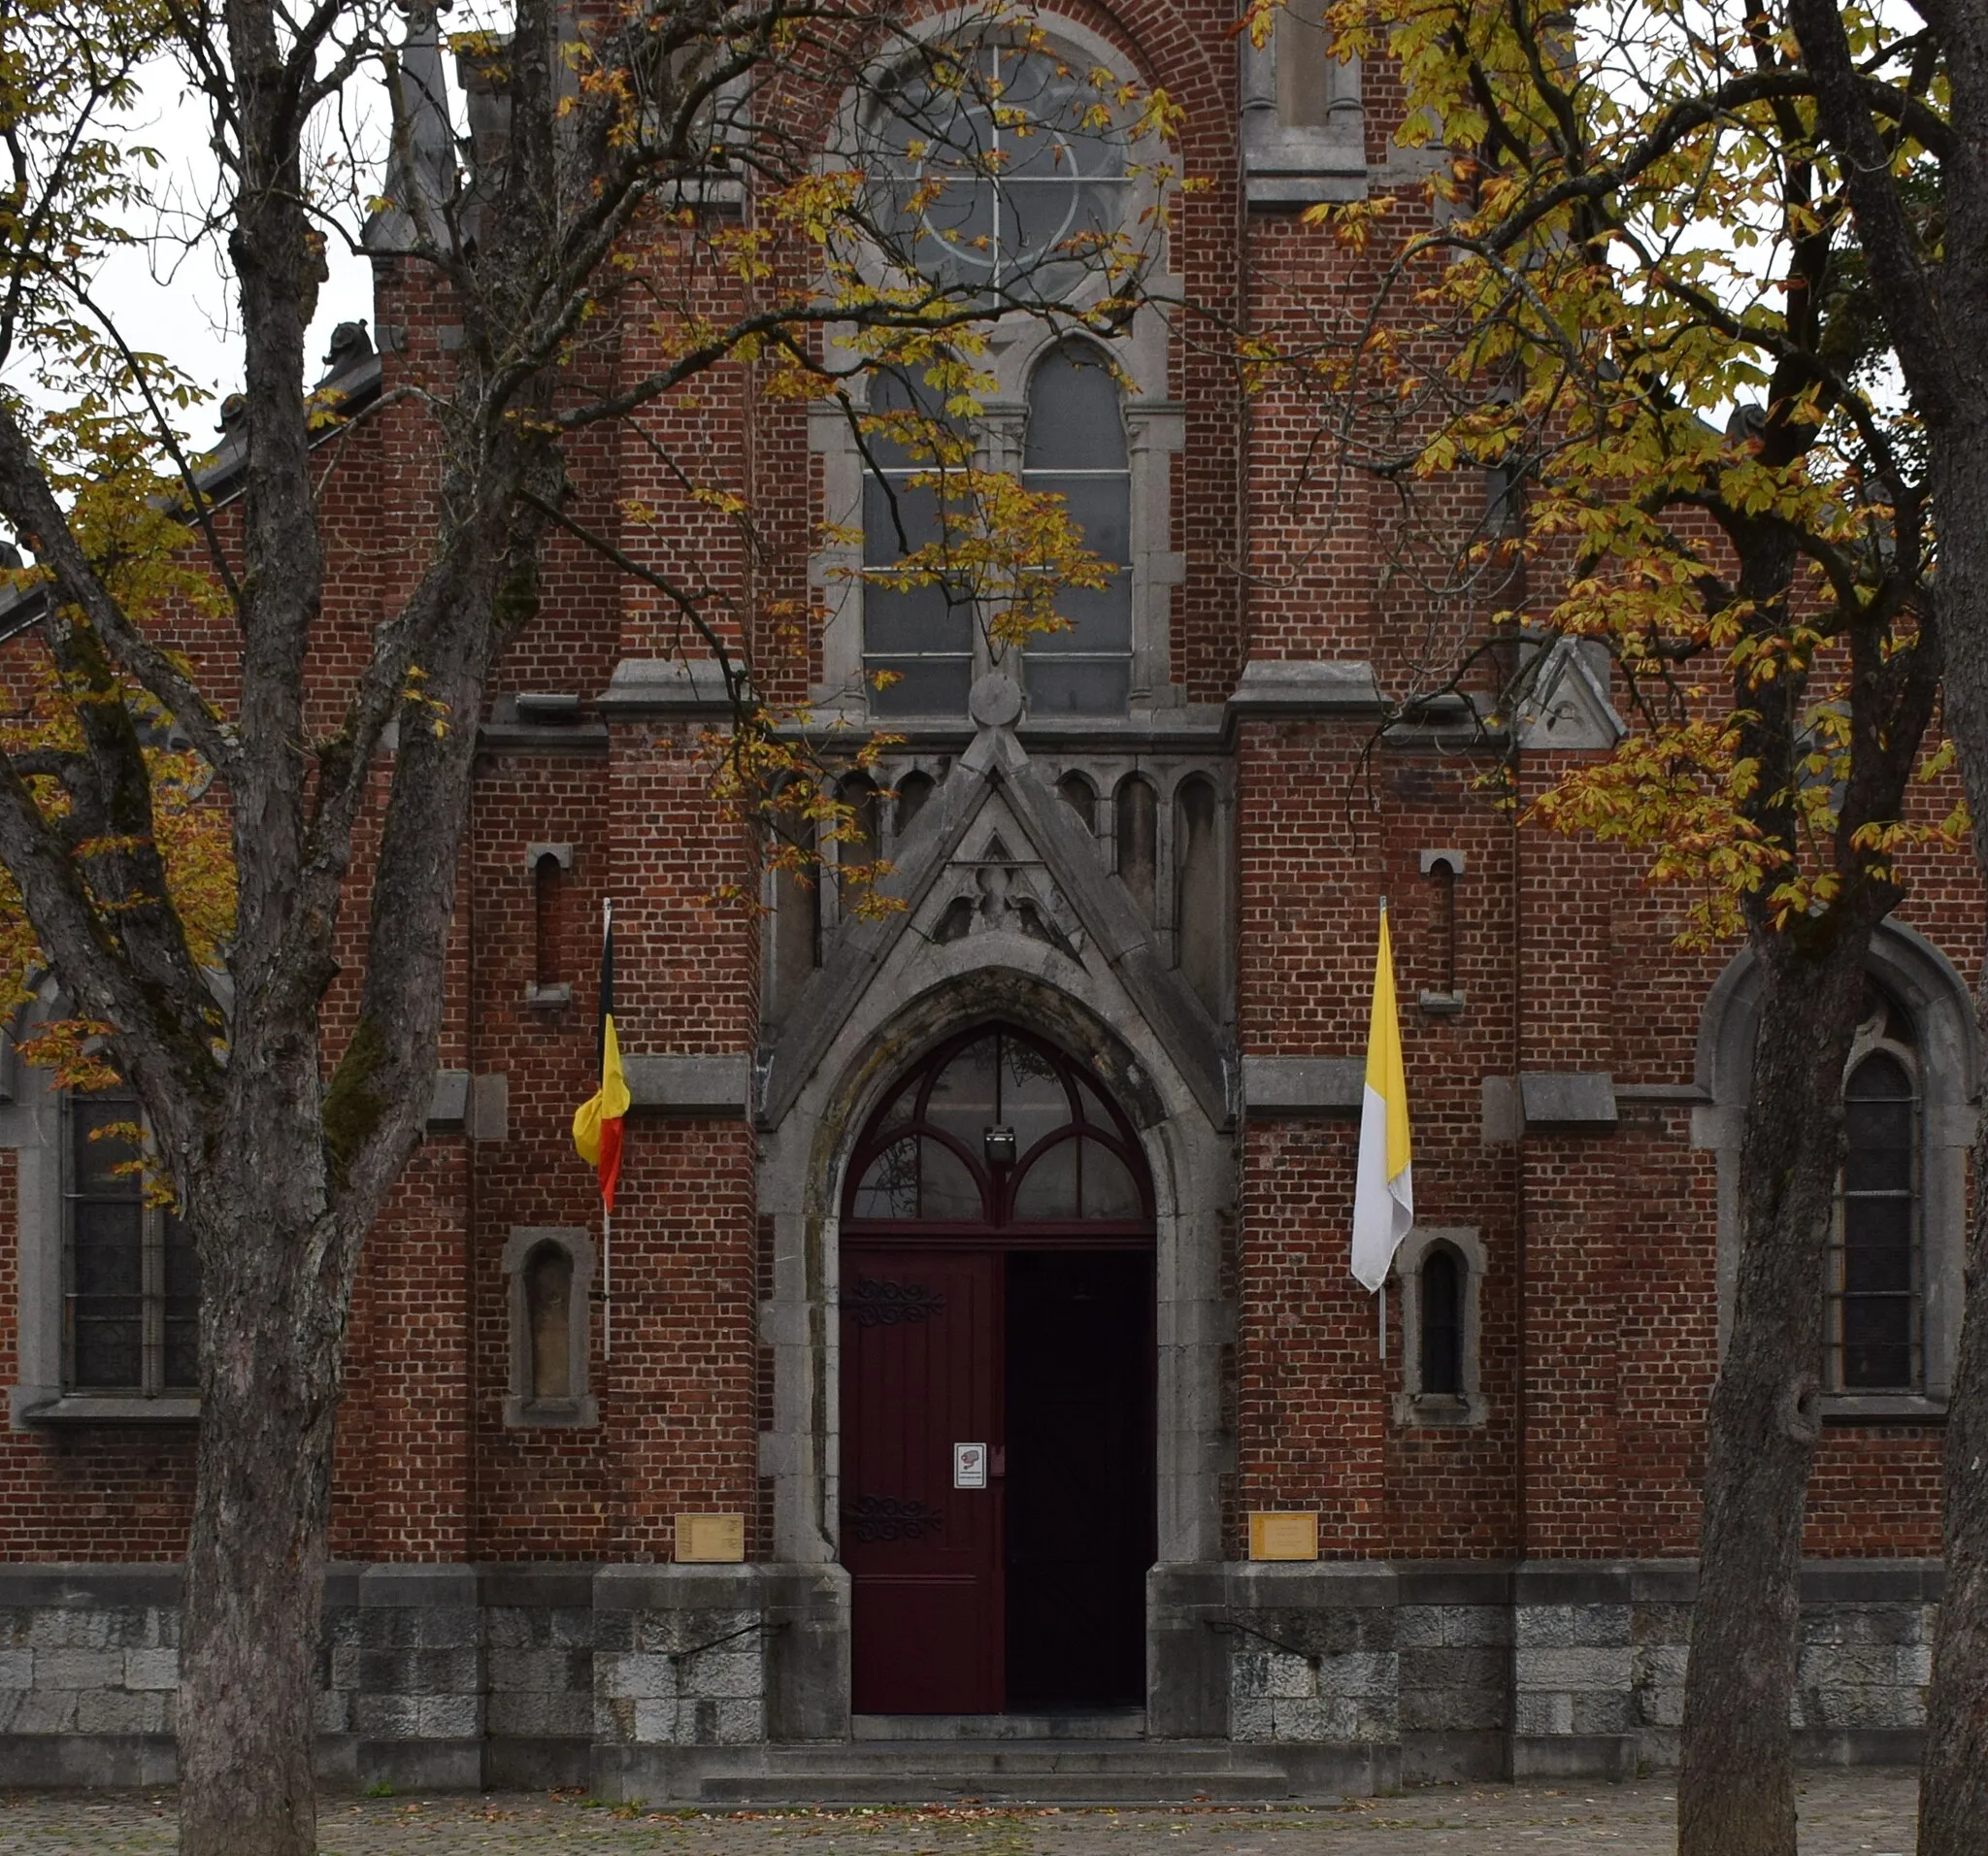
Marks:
<point>1076,448</point>
<point>1875,1336</point>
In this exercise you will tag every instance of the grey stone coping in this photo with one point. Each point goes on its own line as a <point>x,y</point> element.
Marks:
<point>1301,1085</point>
<point>716,1085</point>
<point>562,1586</point>
<point>69,1586</point>
<point>1445,1582</point>
<point>543,738</point>
<point>1568,1098</point>
<point>1294,686</point>
<point>1575,1582</point>
<point>1267,1584</point>
<point>1270,191</point>
<point>1312,1584</point>
<point>666,686</point>
<point>392,1585</point>
<point>1873,1583</point>
<point>341,1583</point>
<point>1184,728</point>
<point>677,1588</point>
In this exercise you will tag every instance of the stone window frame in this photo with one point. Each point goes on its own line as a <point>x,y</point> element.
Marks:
<point>34,1121</point>
<point>1155,433</point>
<point>1926,985</point>
<point>1413,1408</point>
<point>1292,164</point>
<point>580,1409</point>
<point>153,1233</point>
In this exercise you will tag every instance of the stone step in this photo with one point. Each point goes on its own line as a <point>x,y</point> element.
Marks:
<point>969,1757</point>
<point>1109,1723</point>
<point>1042,1771</point>
<point>1041,1788</point>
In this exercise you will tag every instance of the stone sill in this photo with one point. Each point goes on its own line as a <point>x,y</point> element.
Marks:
<point>1158,728</point>
<point>77,1409</point>
<point>1882,1407</point>
<point>1438,1411</point>
<point>565,1414</point>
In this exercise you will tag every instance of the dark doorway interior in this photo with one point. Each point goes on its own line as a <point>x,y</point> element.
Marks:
<point>1079,1462</point>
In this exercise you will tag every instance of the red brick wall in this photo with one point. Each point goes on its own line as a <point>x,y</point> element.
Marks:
<point>1605,1242</point>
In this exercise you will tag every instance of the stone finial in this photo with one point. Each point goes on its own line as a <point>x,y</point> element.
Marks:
<point>994,701</point>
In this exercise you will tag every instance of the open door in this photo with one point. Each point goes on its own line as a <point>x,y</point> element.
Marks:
<point>998,1369</point>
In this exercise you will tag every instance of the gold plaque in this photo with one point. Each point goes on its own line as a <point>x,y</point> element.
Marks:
<point>1283,1537</point>
<point>710,1537</point>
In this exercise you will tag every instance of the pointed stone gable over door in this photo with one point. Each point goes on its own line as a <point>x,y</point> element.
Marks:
<point>997,874</point>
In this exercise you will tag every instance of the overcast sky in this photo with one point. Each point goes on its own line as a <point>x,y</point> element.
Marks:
<point>181,303</point>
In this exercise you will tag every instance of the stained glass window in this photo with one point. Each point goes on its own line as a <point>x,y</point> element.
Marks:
<point>997,1127</point>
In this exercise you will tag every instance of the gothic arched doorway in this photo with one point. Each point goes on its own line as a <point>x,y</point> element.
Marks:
<point>997,1291</point>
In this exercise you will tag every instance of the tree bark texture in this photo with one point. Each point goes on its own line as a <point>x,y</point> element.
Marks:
<point>1935,309</point>
<point>256,1560</point>
<point>1953,1793</point>
<point>1736,1791</point>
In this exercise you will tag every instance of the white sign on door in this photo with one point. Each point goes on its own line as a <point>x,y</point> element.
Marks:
<point>969,1465</point>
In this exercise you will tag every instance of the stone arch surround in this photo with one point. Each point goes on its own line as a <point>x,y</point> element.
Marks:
<point>940,990</point>
<point>800,1170</point>
<point>1926,983</point>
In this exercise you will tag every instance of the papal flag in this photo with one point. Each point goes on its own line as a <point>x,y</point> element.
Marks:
<point>597,1121</point>
<point>1384,1195</point>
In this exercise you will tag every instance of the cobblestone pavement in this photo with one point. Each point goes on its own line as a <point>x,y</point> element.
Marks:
<point>1859,1813</point>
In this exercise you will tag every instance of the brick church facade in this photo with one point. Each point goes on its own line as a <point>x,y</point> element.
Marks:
<point>976,1352</point>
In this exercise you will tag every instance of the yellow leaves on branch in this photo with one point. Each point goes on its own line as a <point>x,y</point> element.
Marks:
<point>774,772</point>
<point>1678,792</point>
<point>190,831</point>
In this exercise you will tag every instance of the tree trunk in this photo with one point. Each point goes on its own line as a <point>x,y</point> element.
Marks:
<point>1735,1793</point>
<point>1953,1785</point>
<point>276,1277</point>
<point>1953,1778</point>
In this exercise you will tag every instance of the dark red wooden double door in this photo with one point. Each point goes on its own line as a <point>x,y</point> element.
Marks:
<point>986,1303</point>
<point>1029,1592</point>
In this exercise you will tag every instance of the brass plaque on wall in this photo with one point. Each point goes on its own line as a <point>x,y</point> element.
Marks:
<point>710,1537</point>
<point>1283,1537</point>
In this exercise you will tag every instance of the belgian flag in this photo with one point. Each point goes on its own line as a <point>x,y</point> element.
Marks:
<point>597,1121</point>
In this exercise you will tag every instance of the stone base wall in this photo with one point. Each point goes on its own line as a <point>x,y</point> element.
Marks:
<point>89,1674</point>
<point>438,1677</point>
<point>1547,1670</point>
<point>1355,1675</point>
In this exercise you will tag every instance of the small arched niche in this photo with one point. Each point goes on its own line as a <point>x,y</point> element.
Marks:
<point>1199,899</point>
<point>550,1271</point>
<point>857,856</point>
<point>1077,792</point>
<point>549,867</point>
<point>793,927</point>
<point>1136,827</point>
<point>912,790</point>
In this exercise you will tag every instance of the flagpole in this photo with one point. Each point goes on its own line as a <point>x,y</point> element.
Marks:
<point>1380,1294</point>
<point>607,1216</point>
